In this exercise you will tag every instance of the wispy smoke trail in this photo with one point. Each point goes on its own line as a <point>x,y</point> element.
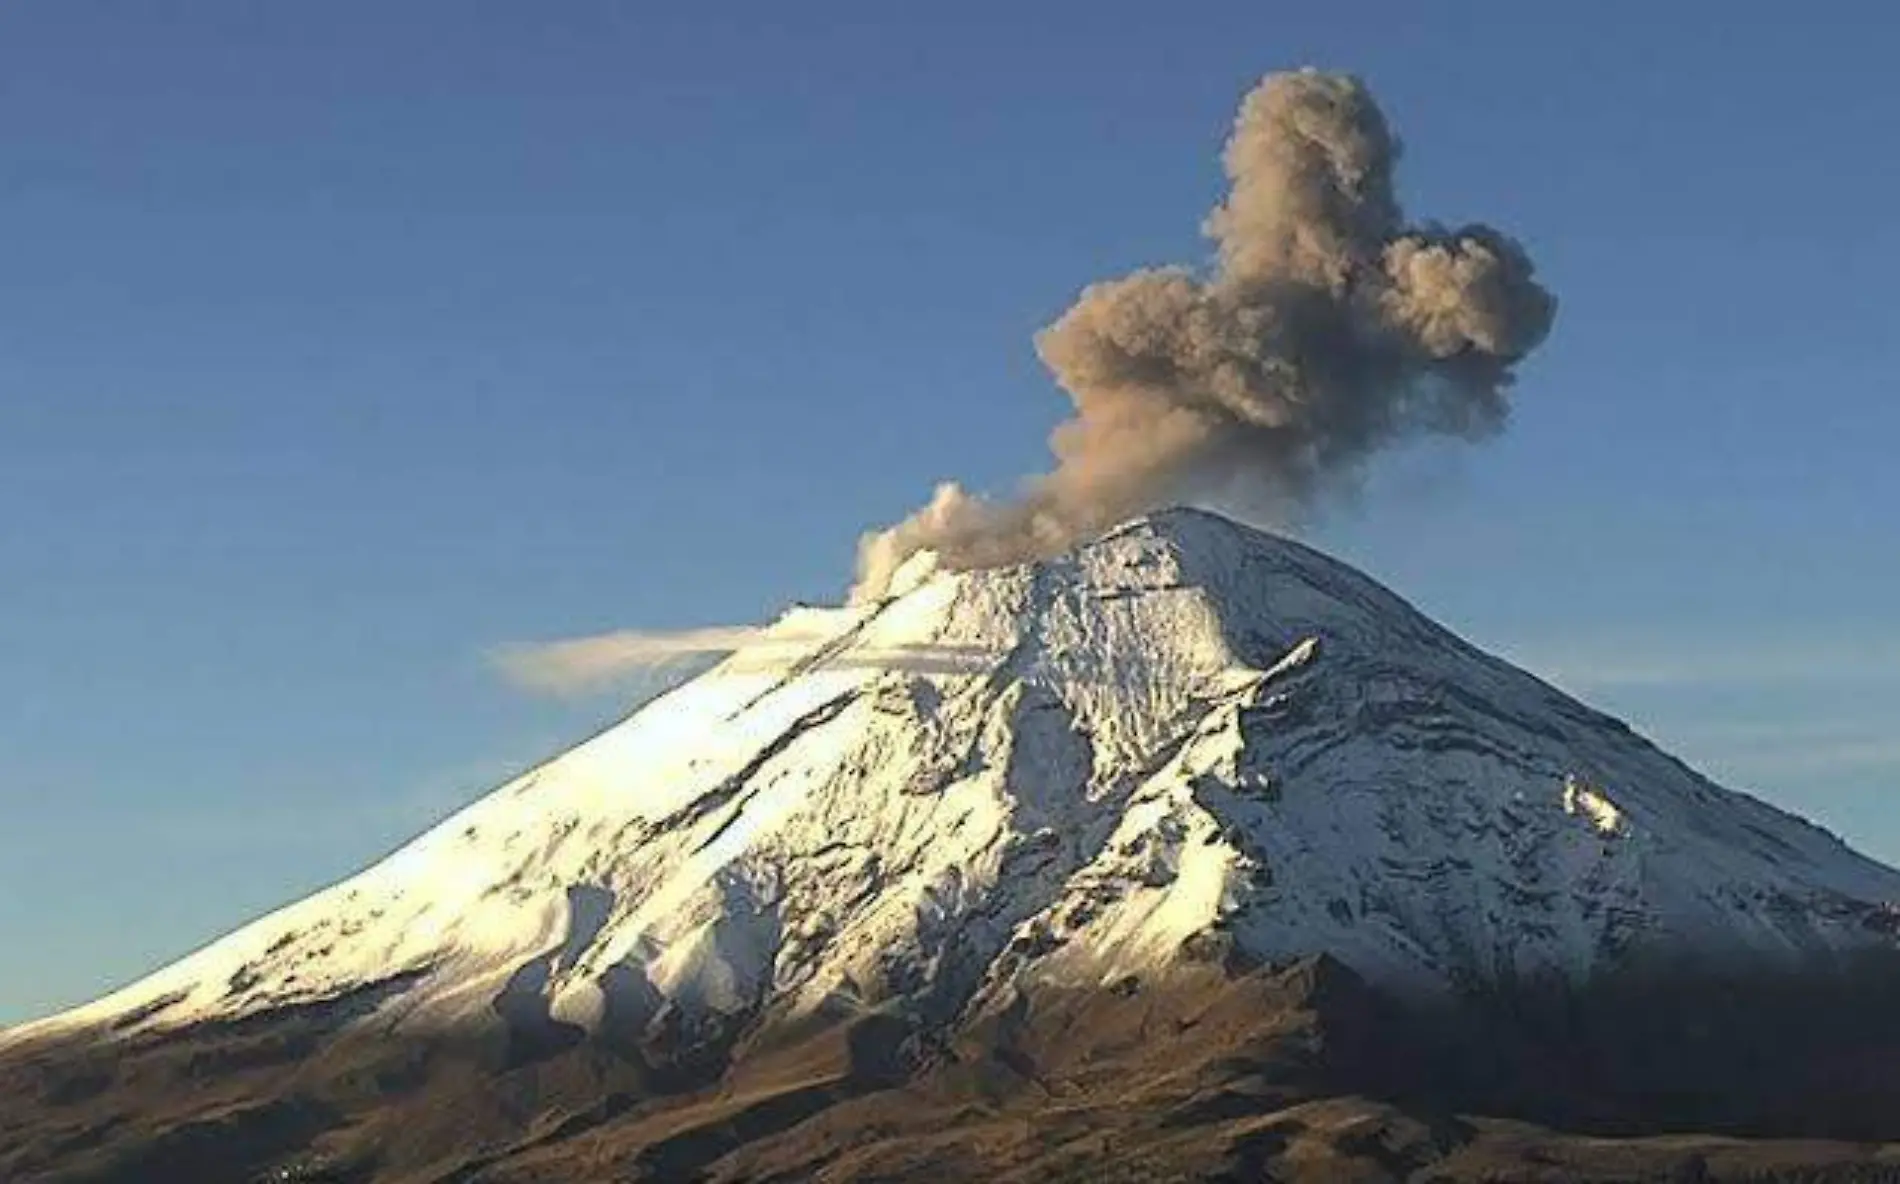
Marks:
<point>582,664</point>
<point>1326,329</point>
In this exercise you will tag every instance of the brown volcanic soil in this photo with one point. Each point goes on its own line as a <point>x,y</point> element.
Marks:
<point>1220,1073</point>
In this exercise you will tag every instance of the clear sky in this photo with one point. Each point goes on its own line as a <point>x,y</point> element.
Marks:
<point>341,342</point>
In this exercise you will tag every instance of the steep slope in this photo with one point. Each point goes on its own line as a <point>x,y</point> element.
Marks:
<point>1187,734</point>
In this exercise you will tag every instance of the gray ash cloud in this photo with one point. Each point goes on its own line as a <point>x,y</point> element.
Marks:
<point>1326,328</point>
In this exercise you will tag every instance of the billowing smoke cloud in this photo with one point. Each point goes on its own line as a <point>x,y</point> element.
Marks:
<point>1326,329</point>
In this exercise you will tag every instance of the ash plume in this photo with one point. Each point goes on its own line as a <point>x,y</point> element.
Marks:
<point>1326,328</point>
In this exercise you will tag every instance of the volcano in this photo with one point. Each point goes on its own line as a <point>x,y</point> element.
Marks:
<point>1190,854</point>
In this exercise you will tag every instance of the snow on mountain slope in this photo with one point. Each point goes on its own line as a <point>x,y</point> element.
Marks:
<point>1186,737</point>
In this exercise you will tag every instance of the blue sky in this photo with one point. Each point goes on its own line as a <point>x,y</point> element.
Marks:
<point>341,343</point>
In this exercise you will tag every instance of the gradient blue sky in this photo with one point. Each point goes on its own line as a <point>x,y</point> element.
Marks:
<point>340,343</point>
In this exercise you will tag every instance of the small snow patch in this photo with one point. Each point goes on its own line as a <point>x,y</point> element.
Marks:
<point>1583,800</point>
<point>1298,656</point>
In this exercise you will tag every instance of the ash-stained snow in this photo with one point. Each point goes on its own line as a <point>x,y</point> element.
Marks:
<point>1185,738</point>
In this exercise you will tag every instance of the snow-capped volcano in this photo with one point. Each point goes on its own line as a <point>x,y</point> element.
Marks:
<point>1187,740</point>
